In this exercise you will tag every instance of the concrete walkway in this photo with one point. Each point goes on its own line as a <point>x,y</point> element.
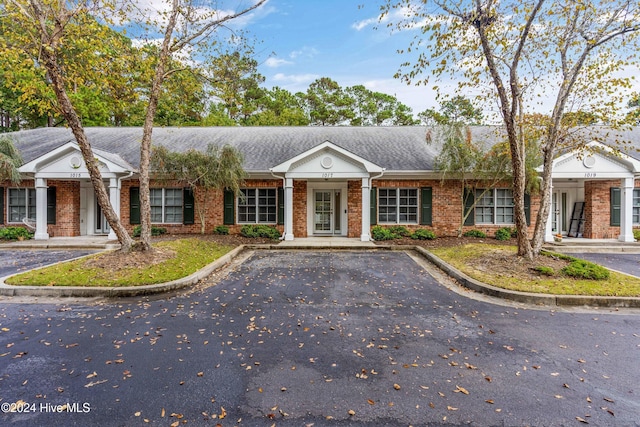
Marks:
<point>80,242</point>
<point>326,243</point>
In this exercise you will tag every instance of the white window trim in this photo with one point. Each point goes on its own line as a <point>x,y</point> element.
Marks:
<point>494,195</point>
<point>257,206</point>
<point>164,205</point>
<point>26,194</point>
<point>397,221</point>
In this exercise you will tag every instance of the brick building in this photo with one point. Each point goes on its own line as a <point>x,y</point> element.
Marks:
<point>308,181</point>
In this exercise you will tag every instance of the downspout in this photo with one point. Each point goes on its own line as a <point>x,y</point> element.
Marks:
<point>284,183</point>
<point>370,187</point>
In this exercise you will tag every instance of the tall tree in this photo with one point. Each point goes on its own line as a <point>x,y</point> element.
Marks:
<point>279,107</point>
<point>571,48</point>
<point>50,36</point>
<point>458,109</point>
<point>235,81</point>
<point>327,104</point>
<point>377,109</point>
<point>184,25</point>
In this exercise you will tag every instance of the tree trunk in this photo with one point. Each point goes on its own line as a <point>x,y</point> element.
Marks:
<point>145,145</point>
<point>73,120</point>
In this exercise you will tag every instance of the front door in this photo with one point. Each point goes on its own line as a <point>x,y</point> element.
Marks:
<point>102,226</point>
<point>327,212</point>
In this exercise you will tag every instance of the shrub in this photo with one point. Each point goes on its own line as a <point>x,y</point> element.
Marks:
<point>381,233</point>
<point>423,234</point>
<point>475,233</point>
<point>636,234</point>
<point>253,231</point>
<point>544,270</point>
<point>582,269</point>
<point>503,233</point>
<point>221,229</point>
<point>399,231</point>
<point>155,231</point>
<point>15,233</point>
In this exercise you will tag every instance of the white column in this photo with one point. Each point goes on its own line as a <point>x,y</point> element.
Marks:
<point>366,210</point>
<point>626,210</point>
<point>41,210</point>
<point>548,233</point>
<point>114,199</point>
<point>288,209</point>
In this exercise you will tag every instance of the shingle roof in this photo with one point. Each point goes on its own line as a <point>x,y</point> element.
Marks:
<point>401,148</point>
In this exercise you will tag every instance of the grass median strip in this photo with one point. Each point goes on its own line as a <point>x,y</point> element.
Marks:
<point>499,266</point>
<point>170,260</point>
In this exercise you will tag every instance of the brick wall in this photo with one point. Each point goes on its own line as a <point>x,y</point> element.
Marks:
<point>354,208</point>
<point>209,206</point>
<point>598,209</point>
<point>300,208</point>
<point>67,209</point>
<point>447,206</point>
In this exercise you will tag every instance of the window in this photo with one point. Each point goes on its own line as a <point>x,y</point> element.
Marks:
<point>494,206</point>
<point>22,204</point>
<point>166,205</point>
<point>257,205</point>
<point>636,206</point>
<point>398,205</point>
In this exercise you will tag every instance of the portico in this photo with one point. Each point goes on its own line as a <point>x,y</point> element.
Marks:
<point>327,170</point>
<point>592,195</point>
<point>61,178</point>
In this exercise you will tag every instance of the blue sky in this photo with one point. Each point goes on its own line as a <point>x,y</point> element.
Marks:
<point>302,40</point>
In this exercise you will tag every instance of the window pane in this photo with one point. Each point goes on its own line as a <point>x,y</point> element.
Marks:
<point>504,206</point>
<point>18,204</point>
<point>484,207</point>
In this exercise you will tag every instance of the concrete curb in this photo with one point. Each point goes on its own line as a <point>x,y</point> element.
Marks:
<point>527,297</point>
<point>124,291</point>
<point>463,279</point>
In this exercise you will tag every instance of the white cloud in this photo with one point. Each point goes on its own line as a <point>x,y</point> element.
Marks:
<point>276,62</point>
<point>295,79</point>
<point>364,23</point>
<point>305,52</point>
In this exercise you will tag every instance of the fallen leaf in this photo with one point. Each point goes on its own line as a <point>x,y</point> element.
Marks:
<point>351,412</point>
<point>582,420</point>
<point>371,402</point>
<point>396,386</point>
<point>490,401</point>
<point>461,390</point>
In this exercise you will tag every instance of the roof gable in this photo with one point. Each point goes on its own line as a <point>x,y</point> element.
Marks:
<point>600,161</point>
<point>327,160</point>
<point>66,161</point>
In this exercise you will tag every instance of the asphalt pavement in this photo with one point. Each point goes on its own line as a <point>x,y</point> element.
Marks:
<point>296,338</point>
<point>14,261</point>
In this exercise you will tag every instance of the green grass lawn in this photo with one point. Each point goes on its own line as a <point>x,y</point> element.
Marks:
<point>462,257</point>
<point>181,258</point>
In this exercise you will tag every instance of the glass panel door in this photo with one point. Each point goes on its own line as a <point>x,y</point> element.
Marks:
<point>323,223</point>
<point>102,225</point>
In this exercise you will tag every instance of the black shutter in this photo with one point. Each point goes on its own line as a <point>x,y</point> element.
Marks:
<point>134,205</point>
<point>51,205</point>
<point>1,205</point>
<point>527,208</point>
<point>373,203</point>
<point>426,196</point>
<point>614,201</point>
<point>469,202</point>
<point>281,206</point>
<point>229,207</point>
<point>188,211</point>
